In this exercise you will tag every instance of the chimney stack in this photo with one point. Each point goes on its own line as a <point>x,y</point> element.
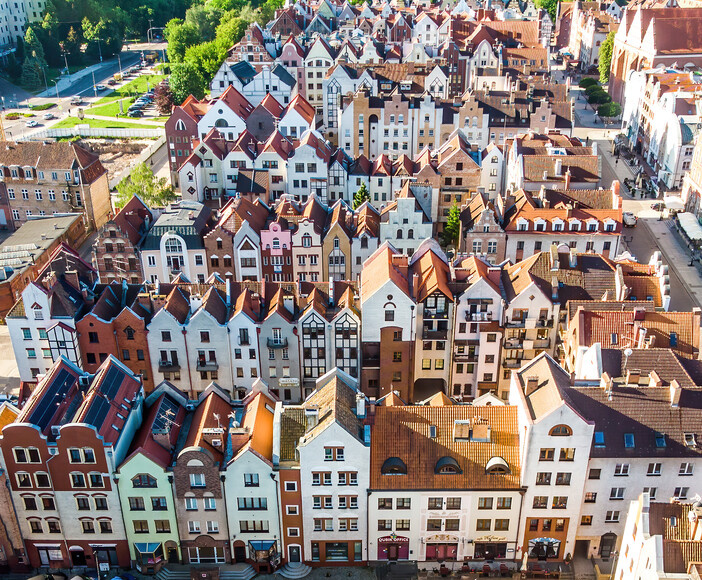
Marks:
<point>360,405</point>
<point>311,417</point>
<point>532,385</point>
<point>567,179</point>
<point>675,392</point>
<point>559,167</point>
<point>633,376</point>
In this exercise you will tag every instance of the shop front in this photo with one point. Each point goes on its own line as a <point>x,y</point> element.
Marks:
<point>490,548</point>
<point>149,557</point>
<point>544,548</point>
<point>264,554</point>
<point>393,547</point>
<point>441,547</point>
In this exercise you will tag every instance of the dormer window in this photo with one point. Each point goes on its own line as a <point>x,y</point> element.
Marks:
<point>497,466</point>
<point>394,466</point>
<point>447,466</point>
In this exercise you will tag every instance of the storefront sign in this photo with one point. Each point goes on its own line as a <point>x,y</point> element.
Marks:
<point>490,539</point>
<point>393,539</point>
<point>441,538</point>
<point>289,382</point>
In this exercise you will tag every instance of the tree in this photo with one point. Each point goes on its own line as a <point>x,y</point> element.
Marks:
<point>180,37</point>
<point>205,19</point>
<point>362,196</point>
<point>207,58</point>
<point>163,98</point>
<point>71,46</point>
<point>153,191</point>
<point>231,29</point>
<point>32,73</point>
<point>184,81</point>
<point>596,88</point>
<point>587,82</point>
<point>452,229</point>
<point>599,98</point>
<point>609,110</point>
<point>551,6</point>
<point>32,45</point>
<point>605,62</point>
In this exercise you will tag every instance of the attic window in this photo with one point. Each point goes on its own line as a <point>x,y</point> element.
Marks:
<point>660,439</point>
<point>447,466</point>
<point>394,466</point>
<point>561,431</point>
<point>673,339</point>
<point>599,439</point>
<point>497,466</point>
<point>614,338</point>
<point>629,440</point>
<point>690,440</point>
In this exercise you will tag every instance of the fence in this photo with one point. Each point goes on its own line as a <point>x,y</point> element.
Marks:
<point>107,132</point>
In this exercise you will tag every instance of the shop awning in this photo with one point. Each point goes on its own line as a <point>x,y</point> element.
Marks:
<point>689,224</point>
<point>261,545</point>
<point>673,202</point>
<point>147,548</point>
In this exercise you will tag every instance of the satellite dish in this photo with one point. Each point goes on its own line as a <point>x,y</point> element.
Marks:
<point>628,352</point>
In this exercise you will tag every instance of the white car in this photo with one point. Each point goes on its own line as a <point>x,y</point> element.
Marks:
<point>48,116</point>
<point>629,219</point>
<point>32,123</point>
<point>100,87</point>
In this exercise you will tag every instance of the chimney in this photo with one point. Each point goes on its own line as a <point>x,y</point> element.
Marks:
<point>633,376</point>
<point>195,302</point>
<point>567,179</point>
<point>545,175</point>
<point>229,291</point>
<point>360,405</point>
<point>311,417</point>
<point>573,258</point>
<point>594,147</point>
<point>415,285</point>
<point>532,385</point>
<point>559,167</point>
<point>144,300</point>
<point>331,290</point>
<point>554,288</point>
<point>71,277</point>
<point>162,437</point>
<point>654,380</point>
<point>675,392</point>
<point>606,382</point>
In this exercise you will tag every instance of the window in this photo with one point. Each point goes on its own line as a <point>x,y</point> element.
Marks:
<point>629,440</point>
<point>660,439</point>
<point>540,502</point>
<point>502,525</point>
<point>484,503</point>
<point>389,315</point>
<point>434,524</point>
<point>210,504</point>
<point>136,504</point>
<point>543,478</point>
<point>561,431</point>
<point>190,503</point>
<point>101,503</point>
<point>77,480</point>
<point>599,439</point>
<point>453,503</point>
<point>681,492</point>
<point>621,469</point>
<point>162,526</point>
<point>197,480</point>
<point>567,454</point>
<point>159,503</point>
<point>143,480</point>
<point>54,527</point>
<point>560,502</point>
<point>35,526</point>
<point>436,503</point>
<point>384,503</point>
<point>30,503</point>
<point>654,469</point>
<point>616,493</point>
<point>194,527</point>
<point>590,497</point>
<point>141,527</point>
<point>563,478</point>
<point>384,525</point>
<point>504,503</point>
<point>686,469</point>
<point>546,454</point>
<point>612,517</point>
<point>96,480</point>
<point>251,480</point>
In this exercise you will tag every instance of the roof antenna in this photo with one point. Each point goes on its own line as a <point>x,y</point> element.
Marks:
<point>216,418</point>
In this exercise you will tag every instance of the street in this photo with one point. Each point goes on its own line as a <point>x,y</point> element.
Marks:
<point>82,87</point>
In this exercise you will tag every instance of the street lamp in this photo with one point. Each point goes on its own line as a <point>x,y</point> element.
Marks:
<point>57,91</point>
<point>43,70</point>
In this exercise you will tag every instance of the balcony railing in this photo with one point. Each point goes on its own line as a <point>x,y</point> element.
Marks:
<point>167,365</point>
<point>434,334</point>
<point>478,316</point>
<point>277,342</point>
<point>434,314</point>
<point>544,323</point>
<point>465,357</point>
<point>513,343</point>
<point>512,363</point>
<point>542,343</point>
<point>206,365</point>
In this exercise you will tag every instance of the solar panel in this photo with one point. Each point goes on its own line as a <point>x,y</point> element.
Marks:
<point>166,413</point>
<point>54,393</point>
<point>112,382</point>
<point>97,412</point>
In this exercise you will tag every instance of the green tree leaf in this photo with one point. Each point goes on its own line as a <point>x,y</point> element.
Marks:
<point>153,191</point>
<point>362,196</point>
<point>605,62</point>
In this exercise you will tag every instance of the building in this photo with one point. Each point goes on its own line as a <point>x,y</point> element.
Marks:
<point>325,439</point>
<point>662,540</point>
<point>590,24</point>
<point>144,483</point>
<point>482,234</point>
<point>251,489</point>
<point>653,35</point>
<point>197,484</point>
<point>26,252</point>
<point>404,223</point>
<point>174,245</point>
<point>42,323</point>
<point>554,436</point>
<point>61,455</point>
<point>12,552</point>
<point>254,85</point>
<point>444,482</point>
<point>50,178</point>
<point>116,250</point>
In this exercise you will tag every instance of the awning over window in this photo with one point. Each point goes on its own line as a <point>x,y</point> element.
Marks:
<point>261,545</point>
<point>689,224</point>
<point>147,548</point>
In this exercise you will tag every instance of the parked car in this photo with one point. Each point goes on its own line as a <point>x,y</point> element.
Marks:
<point>100,87</point>
<point>48,116</point>
<point>112,82</point>
<point>629,219</point>
<point>76,101</point>
<point>135,113</point>
<point>32,123</point>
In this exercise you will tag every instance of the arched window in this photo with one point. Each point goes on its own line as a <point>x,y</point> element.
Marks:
<point>221,123</point>
<point>561,431</point>
<point>399,234</point>
<point>394,466</point>
<point>410,234</point>
<point>497,466</point>
<point>143,480</point>
<point>276,244</point>
<point>180,125</point>
<point>447,466</point>
<point>173,245</point>
<point>307,241</point>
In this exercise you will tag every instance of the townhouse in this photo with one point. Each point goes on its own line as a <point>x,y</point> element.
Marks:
<point>174,245</point>
<point>144,483</point>
<point>43,178</point>
<point>116,249</point>
<point>250,484</point>
<point>481,231</point>
<point>325,442</point>
<point>42,323</point>
<point>272,80</point>
<point>198,488</point>
<point>454,494</point>
<point>404,223</point>
<point>590,24</point>
<point>61,456</point>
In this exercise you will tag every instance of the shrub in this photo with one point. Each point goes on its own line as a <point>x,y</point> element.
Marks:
<point>43,107</point>
<point>12,116</point>
<point>587,82</point>
<point>599,98</point>
<point>593,89</point>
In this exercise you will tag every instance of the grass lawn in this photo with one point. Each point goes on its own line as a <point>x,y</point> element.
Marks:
<point>111,109</point>
<point>99,124</point>
<point>136,86</point>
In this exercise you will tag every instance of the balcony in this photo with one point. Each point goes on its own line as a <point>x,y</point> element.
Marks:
<point>542,343</point>
<point>433,314</point>
<point>515,324</point>
<point>512,363</point>
<point>544,323</point>
<point>465,357</point>
<point>168,366</point>
<point>513,343</point>
<point>478,316</point>
<point>434,334</point>
<point>277,342</point>
<point>206,365</point>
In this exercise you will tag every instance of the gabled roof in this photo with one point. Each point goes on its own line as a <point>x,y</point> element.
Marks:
<point>302,106</point>
<point>178,304</point>
<point>270,104</point>
<point>379,269</point>
<point>236,102</point>
<point>257,422</point>
<point>432,271</point>
<point>212,413</point>
<point>134,219</point>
